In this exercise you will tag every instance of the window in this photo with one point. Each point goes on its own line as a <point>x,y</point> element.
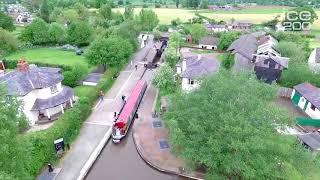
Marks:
<point>191,81</point>
<point>54,89</point>
<point>313,107</point>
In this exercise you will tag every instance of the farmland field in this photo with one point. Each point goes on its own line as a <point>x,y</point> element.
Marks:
<point>49,55</point>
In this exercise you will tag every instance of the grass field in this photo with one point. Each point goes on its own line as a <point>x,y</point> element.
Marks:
<point>49,55</point>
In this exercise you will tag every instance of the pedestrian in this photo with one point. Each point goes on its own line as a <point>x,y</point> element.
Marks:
<point>136,66</point>
<point>115,114</point>
<point>101,94</point>
<point>123,98</point>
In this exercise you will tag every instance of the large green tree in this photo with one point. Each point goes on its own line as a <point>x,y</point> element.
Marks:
<point>113,51</point>
<point>79,33</point>
<point>8,44</point>
<point>164,79</point>
<point>13,152</point>
<point>44,11</point>
<point>229,125</point>
<point>197,31</point>
<point>226,40</point>
<point>147,20</point>
<point>6,22</point>
<point>57,33</point>
<point>105,11</point>
<point>36,33</point>
<point>129,12</point>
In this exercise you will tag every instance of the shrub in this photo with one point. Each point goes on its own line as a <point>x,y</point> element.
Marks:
<point>163,28</point>
<point>144,6</point>
<point>79,33</point>
<point>176,22</point>
<point>8,42</point>
<point>226,40</point>
<point>71,78</point>
<point>12,64</point>
<point>36,33</point>
<point>227,61</point>
<point>157,5</point>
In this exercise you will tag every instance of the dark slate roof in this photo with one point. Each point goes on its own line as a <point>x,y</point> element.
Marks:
<point>151,55</point>
<point>209,40</point>
<point>268,75</point>
<point>200,67</point>
<point>62,97</point>
<point>312,140</point>
<point>21,83</point>
<point>283,61</point>
<point>93,77</point>
<point>265,39</point>
<point>246,45</point>
<point>310,92</point>
<point>317,58</point>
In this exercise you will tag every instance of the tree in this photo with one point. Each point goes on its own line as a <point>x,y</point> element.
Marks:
<point>197,31</point>
<point>57,33</point>
<point>36,33</point>
<point>8,42</point>
<point>79,33</point>
<point>127,30</point>
<point>177,3</point>
<point>68,16</point>
<point>105,11</point>
<point>147,20</point>
<point>13,152</point>
<point>57,11</point>
<point>228,126</point>
<point>6,22</point>
<point>44,11</point>
<point>82,11</point>
<point>296,21</point>
<point>129,12</point>
<point>204,4</point>
<point>113,51</point>
<point>164,80</point>
<point>226,40</point>
<point>272,23</point>
<point>71,78</point>
<point>175,41</point>
<point>228,60</point>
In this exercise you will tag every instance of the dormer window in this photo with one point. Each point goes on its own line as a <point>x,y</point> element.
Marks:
<point>54,89</point>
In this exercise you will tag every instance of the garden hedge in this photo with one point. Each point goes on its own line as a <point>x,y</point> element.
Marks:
<point>68,127</point>
<point>12,64</point>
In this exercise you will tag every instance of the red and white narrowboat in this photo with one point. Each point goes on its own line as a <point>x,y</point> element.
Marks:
<point>127,115</point>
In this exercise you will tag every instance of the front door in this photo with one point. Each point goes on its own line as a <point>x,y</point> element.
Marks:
<point>296,98</point>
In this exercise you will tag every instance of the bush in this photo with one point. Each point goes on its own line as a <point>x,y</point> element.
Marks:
<point>144,6</point>
<point>157,5</point>
<point>79,33</point>
<point>36,33</point>
<point>176,22</point>
<point>8,42</point>
<point>163,28</point>
<point>12,64</point>
<point>226,40</point>
<point>227,60</point>
<point>71,78</point>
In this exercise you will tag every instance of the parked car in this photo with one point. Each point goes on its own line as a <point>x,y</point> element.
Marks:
<point>79,51</point>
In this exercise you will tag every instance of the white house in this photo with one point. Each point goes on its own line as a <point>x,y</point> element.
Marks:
<point>307,97</point>
<point>191,69</point>
<point>208,42</point>
<point>267,45</point>
<point>314,60</point>
<point>40,91</point>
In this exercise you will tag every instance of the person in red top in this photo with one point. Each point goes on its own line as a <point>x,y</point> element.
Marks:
<point>101,94</point>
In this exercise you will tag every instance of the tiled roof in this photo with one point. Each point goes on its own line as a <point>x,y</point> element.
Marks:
<point>310,92</point>
<point>21,83</point>
<point>199,67</point>
<point>246,45</point>
<point>209,40</point>
<point>62,97</point>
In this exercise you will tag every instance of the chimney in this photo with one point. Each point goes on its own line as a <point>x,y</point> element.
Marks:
<point>199,57</point>
<point>184,64</point>
<point>22,65</point>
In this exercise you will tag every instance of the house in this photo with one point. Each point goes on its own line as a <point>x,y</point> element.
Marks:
<point>311,141</point>
<point>267,45</point>
<point>269,67</point>
<point>40,91</point>
<point>240,26</point>
<point>19,14</point>
<point>208,42</point>
<point>314,60</point>
<point>219,28</point>
<point>307,98</point>
<point>194,67</point>
<point>243,49</point>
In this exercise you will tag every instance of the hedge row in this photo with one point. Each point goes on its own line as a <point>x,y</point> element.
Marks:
<point>12,64</point>
<point>68,127</point>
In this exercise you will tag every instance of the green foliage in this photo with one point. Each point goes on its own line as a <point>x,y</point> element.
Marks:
<point>197,31</point>
<point>66,16</point>
<point>112,51</point>
<point>227,61</point>
<point>272,23</point>
<point>228,126</point>
<point>44,11</point>
<point>13,154</point>
<point>164,80</point>
<point>56,12</point>
<point>129,12</point>
<point>9,43</point>
<point>156,35</point>
<point>82,11</point>
<point>79,33</point>
<point>171,57</point>
<point>6,22</point>
<point>293,37</point>
<point>147,20</point>
<point>36,33</point>
<point>127,30</point>
<point>190,3</point>
<point>163,28</point>
<point>105,11</point>
<point>226,40</point>
<point>57,33</point>
<point>176,22</point>
<point>71,78</point>
<point>204,4</point>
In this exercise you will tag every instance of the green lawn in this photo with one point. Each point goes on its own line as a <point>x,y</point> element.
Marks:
<point>83,91</point>
<point>49,55</point>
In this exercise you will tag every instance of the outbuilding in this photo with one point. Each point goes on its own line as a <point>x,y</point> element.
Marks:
<point>307,97</point>
<point>208,42</point>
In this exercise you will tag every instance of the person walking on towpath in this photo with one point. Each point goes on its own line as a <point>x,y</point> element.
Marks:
<point>101,94</point>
